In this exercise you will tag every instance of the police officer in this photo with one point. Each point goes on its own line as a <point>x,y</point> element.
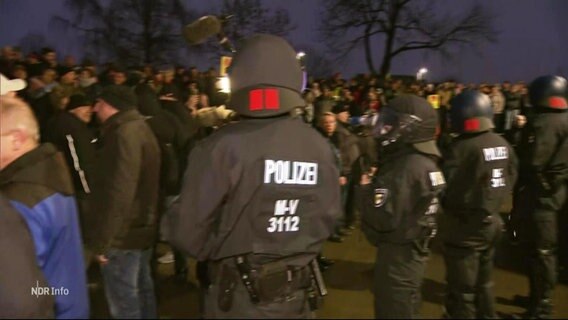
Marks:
<point>481,169</point>
<point>261,195</point>
<point>398,208</point>
<point>544,172</point>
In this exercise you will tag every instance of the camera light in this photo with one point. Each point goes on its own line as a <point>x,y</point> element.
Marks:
<point>224,84</point>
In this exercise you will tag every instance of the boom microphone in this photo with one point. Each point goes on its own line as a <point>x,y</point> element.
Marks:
<point>208,26</point>
<point>200,30</point>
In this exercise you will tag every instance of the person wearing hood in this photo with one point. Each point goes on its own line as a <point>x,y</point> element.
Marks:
<point>36,180</point>
<point>70,133</point>
<point>399,205</point>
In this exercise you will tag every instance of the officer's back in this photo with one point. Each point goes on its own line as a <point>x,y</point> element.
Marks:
<point>260,196</point>
<point>484,176</point>
<point>265,161</point>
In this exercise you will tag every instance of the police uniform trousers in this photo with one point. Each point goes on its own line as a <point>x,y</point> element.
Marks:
<point>217,305</point>
<point>540,237</point>
<point>469,250</point>
<point>398,274</point>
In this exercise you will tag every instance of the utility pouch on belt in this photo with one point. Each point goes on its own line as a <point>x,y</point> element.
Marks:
<point>274,280</point>
<point>227,284</point>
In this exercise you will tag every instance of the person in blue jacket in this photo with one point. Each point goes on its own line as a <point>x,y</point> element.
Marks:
<point>36,180</point>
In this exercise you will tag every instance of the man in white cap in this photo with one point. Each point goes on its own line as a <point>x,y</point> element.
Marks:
<point>9,87</point>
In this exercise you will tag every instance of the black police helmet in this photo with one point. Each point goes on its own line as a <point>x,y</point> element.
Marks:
<point>266,78</point>
<point>408,119</point>
<point>470,112</point>
<point>549,92</point>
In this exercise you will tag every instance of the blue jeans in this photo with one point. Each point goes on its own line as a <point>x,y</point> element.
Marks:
<point>128,284</point>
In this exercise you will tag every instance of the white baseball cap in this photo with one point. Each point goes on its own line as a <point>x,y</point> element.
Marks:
<point>7,85</point>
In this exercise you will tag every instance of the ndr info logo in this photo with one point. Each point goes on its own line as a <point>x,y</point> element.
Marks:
<point>48,291</point>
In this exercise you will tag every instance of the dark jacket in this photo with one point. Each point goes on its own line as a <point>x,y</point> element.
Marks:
<point>172,133</point>
<point>544,151</point>
<point>481,171</point>
<point>263,186</point>
<point>75,139</point>
<point>348,144</point>
<point>401,204</point>
<point>39,187</point>
<point>19,271</point>
<point>125,188</point>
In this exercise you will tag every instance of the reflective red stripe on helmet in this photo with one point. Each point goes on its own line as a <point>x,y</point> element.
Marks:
<point>471,125</point>
<point>260,99</point>
<point>557,103</point>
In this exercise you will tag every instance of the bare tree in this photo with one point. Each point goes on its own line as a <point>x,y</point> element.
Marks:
<point>32,42</point>
<point>251,16</point>
<point>128,31</point>
<point>317,63</point>
<point>403,26</point>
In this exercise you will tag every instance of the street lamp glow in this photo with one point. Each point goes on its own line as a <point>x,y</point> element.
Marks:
<point>421,73</point>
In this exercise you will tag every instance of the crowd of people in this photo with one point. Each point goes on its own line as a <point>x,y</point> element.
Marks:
<point>100,162</point>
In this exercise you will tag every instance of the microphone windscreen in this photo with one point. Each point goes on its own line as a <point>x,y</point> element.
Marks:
<point>198,31</point>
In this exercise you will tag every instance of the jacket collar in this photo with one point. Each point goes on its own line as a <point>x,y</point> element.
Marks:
<point>120,118</point>
<point>43,165</point>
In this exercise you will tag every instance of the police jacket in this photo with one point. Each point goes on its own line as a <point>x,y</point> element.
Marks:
<point>399,206</point>
<point>481,170</point>
<point>263,186</point>
<point>39,187</point>
<point>123,206</point>
<point>544,150</point>
<point>19,271</point>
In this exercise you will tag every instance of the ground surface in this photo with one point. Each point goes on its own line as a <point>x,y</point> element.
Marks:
<point>349,282</point>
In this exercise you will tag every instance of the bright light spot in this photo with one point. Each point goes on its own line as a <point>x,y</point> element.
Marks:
<point>423,70</point>
<point>224,84</point>
<point>300,55</point>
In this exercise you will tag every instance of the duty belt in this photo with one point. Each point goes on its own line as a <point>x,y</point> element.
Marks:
<point>267,283</point>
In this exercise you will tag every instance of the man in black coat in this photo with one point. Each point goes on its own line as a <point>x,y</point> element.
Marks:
<point>123,207</point>
<point>70,133</point>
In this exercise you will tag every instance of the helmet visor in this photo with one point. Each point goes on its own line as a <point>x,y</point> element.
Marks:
<point>391,123</point>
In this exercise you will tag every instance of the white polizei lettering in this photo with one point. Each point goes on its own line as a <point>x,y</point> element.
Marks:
<point>312,173</point>
<point>290,172</point>
<point>296,174</point>
<point>268,170</point>
<point>497,153</point>
<point>279,174</point>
